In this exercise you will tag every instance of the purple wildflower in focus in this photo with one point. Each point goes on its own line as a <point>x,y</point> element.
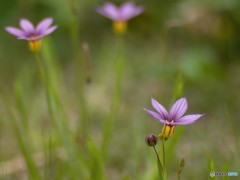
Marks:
<point>32,34</point>
<point>174,117</point>
<point>120,15</point>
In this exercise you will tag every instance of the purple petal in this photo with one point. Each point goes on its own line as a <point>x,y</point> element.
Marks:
<point>28,38</point>
<point>49,30</point>
<point>178,109</point>
<point>31,38</point>
<point>160,109</point>
<point>15,31</point>
<point>138,10</point>
<point>44,25</point>
<point>27,26</point>
<point>155,115</point>
<point>109,10</point>
<point>128,10</point>
<point>188,119</point>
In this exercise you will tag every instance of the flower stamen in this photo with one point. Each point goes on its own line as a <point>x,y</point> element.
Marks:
<point>34,46</point>
<point>168,130</point>
<point>119,27</point>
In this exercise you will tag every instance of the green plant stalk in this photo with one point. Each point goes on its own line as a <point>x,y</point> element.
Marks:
<point>74,25</point>
<point>21,105</point>
<point>180,167</point>
<point>160,166</point>
<point>83,127</point>
<point>164,160</point>
<point>84,115</point>
<point>48,151</point>
<point>96,162</point>
<point>25,149</point>
<point>233,128</point>
<point>40,68</point>
<point>179,177</point>
<point>172,142</point>
<point>23,143</point>
<point>109,121</point>
<point>60,120</point>
<point>211,164</point>
<point>178,89</point>
<point>75,158</point>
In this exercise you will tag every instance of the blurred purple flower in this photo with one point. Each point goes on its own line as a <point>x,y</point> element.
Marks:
<point>125,12</point>
<point>174,117</point>
<point>29,32</point>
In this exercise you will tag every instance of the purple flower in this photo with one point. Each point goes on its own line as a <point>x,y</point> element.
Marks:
<point>120,15</point>
<point>29,32</point>
<point>123,13</point>
<point>174,117</point>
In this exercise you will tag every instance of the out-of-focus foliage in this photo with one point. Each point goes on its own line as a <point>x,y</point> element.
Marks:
<point>199,40</point>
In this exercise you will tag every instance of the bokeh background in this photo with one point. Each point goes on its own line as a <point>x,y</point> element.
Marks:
<point>174,48</point>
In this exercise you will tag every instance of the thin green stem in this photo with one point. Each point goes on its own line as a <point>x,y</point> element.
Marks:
<point>159,161</point>
<point>110,120</point>
<point>179,178</point>
<point>23,141</point>
<point>83,126</point>
<point>164,158</point>
<point>40,67</point>
<point>59,119</point>
<point>74,25</point>
<point>178,170</point>
<point>42,75</point>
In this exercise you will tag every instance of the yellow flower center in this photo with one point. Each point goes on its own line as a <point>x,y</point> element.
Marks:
<point>34,46</point>
<point>119,27</point>
<point>167,130</point>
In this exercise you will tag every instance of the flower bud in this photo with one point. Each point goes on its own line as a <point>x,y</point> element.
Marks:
<point>181,166</point>
<point>151,140</point>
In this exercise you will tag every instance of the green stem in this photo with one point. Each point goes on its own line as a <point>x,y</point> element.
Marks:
<point>160,170</point>
<point>163,149</point>
<point>179,176</point>
<point>83,126</point>
<point>23,141</point>
<point>40,67</point>
<point>60,120</point>
<point>110,120</point>
<point>164,159</point>
<point>74,25</point>
<point>42,75</point>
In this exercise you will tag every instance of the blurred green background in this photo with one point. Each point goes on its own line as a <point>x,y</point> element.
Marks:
<point>197,42</point>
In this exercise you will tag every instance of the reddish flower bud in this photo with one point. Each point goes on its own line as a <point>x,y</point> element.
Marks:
<point>151,140</point>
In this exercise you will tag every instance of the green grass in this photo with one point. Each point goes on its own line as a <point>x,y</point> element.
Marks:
<point>56,124</point>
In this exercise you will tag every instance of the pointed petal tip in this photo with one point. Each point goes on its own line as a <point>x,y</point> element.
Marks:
<point>145,109</point>
<point>154,115</point>
<point>152,99</point>
<point>15,31</point>
<point>178,108</point>
<point>49,18</point>
<point>182,99</point>
<point>26,25</point>
<point>188,119</point>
